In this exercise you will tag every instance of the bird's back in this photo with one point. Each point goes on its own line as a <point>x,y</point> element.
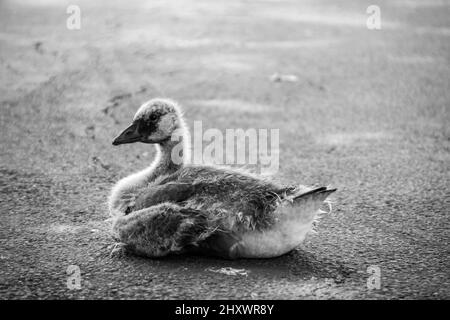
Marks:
<point>238,199</point>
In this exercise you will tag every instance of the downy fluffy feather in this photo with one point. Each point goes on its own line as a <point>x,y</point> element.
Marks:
<point>176,208</point>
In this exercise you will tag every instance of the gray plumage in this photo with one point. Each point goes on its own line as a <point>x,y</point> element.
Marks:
<point>177,208</point>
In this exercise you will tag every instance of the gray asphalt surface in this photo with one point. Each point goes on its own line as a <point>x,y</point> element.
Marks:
<point>369,115</point>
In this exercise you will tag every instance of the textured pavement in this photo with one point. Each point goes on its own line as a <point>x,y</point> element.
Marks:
<point>369,114</point>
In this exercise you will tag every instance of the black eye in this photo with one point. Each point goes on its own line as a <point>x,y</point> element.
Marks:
<point>153,117</point>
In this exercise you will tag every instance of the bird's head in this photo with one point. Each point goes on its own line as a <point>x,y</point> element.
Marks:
<point>154,122</point>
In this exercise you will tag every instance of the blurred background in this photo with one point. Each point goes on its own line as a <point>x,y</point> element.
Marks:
<point>364,110</point>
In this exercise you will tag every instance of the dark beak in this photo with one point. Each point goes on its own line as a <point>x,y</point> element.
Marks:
<point>129,135</point>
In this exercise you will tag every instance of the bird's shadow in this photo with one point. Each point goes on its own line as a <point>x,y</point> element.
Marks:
<point>298,264</point>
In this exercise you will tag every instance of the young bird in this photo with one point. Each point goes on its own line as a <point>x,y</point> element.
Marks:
<point>175,207</point>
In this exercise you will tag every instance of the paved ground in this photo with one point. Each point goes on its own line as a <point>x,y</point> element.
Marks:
<point>369,114</point>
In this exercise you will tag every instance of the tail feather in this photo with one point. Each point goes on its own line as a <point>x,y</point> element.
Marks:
<point>308,203</point>
<point>316,193</point>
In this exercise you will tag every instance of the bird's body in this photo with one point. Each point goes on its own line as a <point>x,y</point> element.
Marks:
<point>177,208</point>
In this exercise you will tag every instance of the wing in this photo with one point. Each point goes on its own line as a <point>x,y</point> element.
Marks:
<point>242,201</point>
<point>170,192</point>
<point>245,201</point>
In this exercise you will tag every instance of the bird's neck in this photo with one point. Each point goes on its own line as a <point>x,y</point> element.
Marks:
<point>171,155</point>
